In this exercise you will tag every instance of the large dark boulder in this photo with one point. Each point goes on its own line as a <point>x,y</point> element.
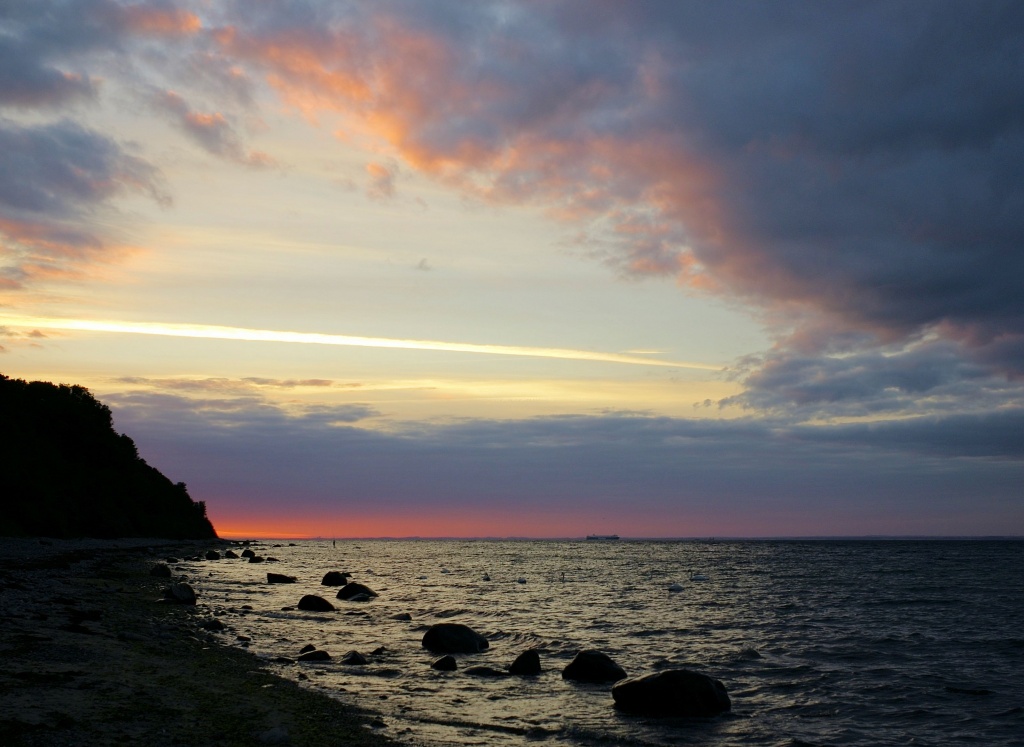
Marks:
<point>454,638</point>
<point>527,663</point>
<point>212,555</point>
<point>313,603</point>
<point>593,666</point>
<point>248,554</point>
<point>280,578</point>
<point>673,692</point>
<point>231,554</point>
<point>335,578</point>
<point>356,592</point>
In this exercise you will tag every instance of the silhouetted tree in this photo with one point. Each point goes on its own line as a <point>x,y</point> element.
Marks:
<point>65,471</point>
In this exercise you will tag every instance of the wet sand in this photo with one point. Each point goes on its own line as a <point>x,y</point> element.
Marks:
<point>89,657</point>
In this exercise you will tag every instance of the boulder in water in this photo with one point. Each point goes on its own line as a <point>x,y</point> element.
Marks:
<point>335,578</point>
<point>231,554</point>
<point>247,553</point>
<point>445,664</point>
<point>212,555</point>
<point>527,663</point>
<point>673,692</point>
<point>313,603</point>
<point>280,578</point>
<point>180,594</point>
<point>160,570</point>
<point>353,591</point>
<point>354,658</point>
<point>454,638</point>
<point>256,559</point>
<point>593,666</point>
<point>486,672</point>
<point>315,655</point>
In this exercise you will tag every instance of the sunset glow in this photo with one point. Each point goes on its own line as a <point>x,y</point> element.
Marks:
<point>532,269</point>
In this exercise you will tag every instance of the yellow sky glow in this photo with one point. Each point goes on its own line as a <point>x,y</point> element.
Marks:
<point>214,332</point>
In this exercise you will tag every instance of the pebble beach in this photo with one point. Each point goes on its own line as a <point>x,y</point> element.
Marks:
<point>89,656</point>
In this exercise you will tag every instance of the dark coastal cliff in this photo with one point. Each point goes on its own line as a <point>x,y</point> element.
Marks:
<point>65,472</point>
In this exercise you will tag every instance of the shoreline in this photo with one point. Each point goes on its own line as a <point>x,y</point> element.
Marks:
<point>90,657</point>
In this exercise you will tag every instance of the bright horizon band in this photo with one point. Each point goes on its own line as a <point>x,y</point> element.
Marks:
<point>215,332</point>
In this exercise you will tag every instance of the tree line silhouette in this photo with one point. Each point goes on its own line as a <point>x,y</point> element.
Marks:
<point>65,472</point>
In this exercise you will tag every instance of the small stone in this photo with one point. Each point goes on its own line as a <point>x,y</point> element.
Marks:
<point>444,664</point>
<point>316,655</point>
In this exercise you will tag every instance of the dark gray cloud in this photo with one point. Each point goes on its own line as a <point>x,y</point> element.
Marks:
<point>249,453</point>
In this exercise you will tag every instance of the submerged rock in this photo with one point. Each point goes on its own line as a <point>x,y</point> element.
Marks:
<point>313,603</point>
<point>160,571</point>
<point>527,663</point>
<point>674,692</point>
<point>486,672</point>
<point>280,578</point>
<point>454,638</point>
<point>335,578</point>
<point>445,664</point>
<point>593,666</point>
<point>356,592</point>
<point>354,658</point>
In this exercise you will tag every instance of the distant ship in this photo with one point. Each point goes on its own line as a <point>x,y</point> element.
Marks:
<point>602,536</point>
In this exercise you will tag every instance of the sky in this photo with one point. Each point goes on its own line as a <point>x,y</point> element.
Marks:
<point>544,269</point>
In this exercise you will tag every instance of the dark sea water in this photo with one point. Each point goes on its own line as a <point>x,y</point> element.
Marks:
<point>817,642</point>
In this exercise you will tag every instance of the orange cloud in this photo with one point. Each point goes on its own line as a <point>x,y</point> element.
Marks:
<point>161,21</point>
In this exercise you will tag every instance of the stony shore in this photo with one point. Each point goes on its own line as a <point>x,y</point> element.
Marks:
<point>90,657</point>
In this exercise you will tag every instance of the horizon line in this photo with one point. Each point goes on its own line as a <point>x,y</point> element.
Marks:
<point>220,332</point>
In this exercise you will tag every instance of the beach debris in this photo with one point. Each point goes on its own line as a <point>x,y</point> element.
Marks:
<point>527,663</point>
<point>674,692</point>
<point>180,593</point>
<point>454,638</point>
<point>354,658</point>
<point>445,664</point>
<point>280,578</point>
<point>313,603</point>
<point>354,592</point>
<point>335,578</point>
<point>593,666</point>
<point>160,570</point>
<point>314,655</point>
<point>212,555</point>
<point>481,671</point>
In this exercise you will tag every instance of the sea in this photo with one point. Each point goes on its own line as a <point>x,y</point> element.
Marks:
<point>818,642</point>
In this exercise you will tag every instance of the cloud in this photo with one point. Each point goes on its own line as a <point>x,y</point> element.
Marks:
<point>211,131</point>
<point>52,178</point>
<point>243,454</point>
<point>381,180</point>
<point>857,163</point>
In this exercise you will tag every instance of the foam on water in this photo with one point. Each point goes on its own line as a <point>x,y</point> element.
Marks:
<point>823,642</point>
